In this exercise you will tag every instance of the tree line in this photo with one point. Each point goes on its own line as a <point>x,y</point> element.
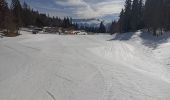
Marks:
<point>153,15</point>
<point>17,15</point>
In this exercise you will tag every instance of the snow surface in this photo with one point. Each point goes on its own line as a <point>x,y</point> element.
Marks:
<point>89,67</point>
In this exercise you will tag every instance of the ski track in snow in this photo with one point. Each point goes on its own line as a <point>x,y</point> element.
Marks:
<point>52,67</point>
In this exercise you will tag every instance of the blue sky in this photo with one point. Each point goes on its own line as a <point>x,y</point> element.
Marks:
<point>78,8</point>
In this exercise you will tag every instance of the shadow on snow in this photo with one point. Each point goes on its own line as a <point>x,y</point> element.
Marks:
<point>147,39</point>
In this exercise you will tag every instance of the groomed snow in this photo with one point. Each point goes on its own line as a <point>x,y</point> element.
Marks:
<point>90,67</point>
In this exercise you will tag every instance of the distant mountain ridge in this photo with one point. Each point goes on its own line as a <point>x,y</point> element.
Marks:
<point>96,21</point>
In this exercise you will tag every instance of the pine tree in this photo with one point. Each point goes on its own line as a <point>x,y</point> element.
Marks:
<point>3,13</point>
<point>17,12</point>
<point>140,15</point>
<point>102,28</point>
<point>135,15</point>
<point>153,15</point>
<point>166,15</point>
<point>121,21</point>
<point>127,16</point>
<point>113,27</point>
<point>148,14</point>
<point>27,17</point>
<point>10,25</point>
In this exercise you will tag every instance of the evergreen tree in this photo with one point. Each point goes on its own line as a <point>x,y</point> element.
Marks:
<point>127,16</point>
<point>121,21</point>
<point>113,27</point>
<point>141,15</point>
<point>166,9</point>
<point>135,15</point>
<point>10,25</point>
<point>102,28</point>
<point>17,12</point>
<point>3,13</point>
<point>27,16</point>
<point>153,15</point>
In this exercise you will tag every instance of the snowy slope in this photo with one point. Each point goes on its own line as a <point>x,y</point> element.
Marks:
<point>91,67</point>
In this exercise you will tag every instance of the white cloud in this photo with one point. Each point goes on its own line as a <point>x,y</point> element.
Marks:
<point>92,8</point>
<point>79,8</point>
<point>70,2</point>
<point>105,8</point>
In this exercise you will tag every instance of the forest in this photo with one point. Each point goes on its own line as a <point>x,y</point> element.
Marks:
<point>17,15</point>
<point>150,15</point>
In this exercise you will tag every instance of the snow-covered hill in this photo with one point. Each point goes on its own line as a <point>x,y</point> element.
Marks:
<point>91,67</point>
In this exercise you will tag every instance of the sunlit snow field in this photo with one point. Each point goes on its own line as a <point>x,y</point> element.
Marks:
<point>90,67</point>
